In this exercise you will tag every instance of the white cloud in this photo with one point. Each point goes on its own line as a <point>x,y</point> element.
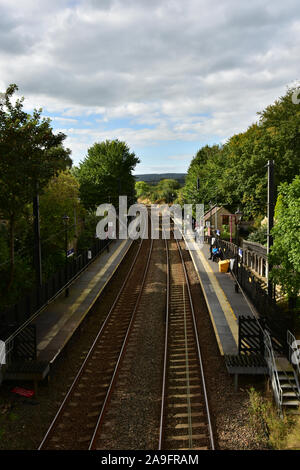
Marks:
<point>188,71</point>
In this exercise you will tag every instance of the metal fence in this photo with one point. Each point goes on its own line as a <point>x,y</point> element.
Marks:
<point>38,298</point>
<point>253,287</point>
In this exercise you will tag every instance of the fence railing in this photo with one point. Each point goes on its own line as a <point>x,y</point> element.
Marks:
<point>294,351</point>
<point>23,312</point>
<point>256,292</point>
<point>273,372</point>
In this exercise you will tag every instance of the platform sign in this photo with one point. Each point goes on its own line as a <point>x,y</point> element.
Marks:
<point>70,252</point>
<point>24,392</point>
<point>2,353</point>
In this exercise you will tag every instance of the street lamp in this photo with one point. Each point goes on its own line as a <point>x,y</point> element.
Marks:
<point>66,219</point>
<point>210,230</point>
<point>238,218</point>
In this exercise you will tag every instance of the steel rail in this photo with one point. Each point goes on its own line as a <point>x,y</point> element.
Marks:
<point>163,394</point>
<point>211,436</point>
<point>90,352</point>
<point>121,355</point>
<point>165,350</point>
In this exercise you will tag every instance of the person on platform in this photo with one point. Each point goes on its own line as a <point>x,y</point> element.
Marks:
<point>216,253</point>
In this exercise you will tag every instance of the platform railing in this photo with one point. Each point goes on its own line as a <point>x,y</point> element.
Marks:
<point>294,351</point>
<point>273,373</point>
<point>30,305</point>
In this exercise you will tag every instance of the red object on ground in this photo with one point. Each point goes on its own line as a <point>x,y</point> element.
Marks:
<point>23,392</point>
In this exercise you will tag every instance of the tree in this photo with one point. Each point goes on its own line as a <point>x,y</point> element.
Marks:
<point>106,173</point>
<point>235,174</point>
<point>167,189</point>
<point>60,197</point>
<point>142,189</point>
<point>285,252</point>
<point>204,170</point>
<point>30,154</point>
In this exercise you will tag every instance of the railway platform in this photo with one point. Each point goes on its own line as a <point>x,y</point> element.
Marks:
<point>225,305</point>
<point>60,319</point>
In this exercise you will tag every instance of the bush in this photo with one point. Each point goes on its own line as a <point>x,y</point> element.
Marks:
<point>273,430</point>
<point>259,235</point>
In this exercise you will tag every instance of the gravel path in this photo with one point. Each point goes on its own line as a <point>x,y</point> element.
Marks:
<point>23,422</point>
<point>132,421</point>
<point>229,409</point>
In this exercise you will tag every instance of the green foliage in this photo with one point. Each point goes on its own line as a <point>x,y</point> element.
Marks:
<point>166,190</point>
<point>235,174</point>
<point>225,232</point>
<point>259,235</point>
<point>87,236</point>
<point>285,253</point>
<point>106,173</point>
<point>142,189</point>
<point>30,154</point>
<point>207,167</point>
<point>60,197</point>
<point>271,429</point>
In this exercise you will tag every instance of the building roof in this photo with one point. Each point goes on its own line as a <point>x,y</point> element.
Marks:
<point>213,210</point>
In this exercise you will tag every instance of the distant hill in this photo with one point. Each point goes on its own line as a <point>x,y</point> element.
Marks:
<point>156,177</point>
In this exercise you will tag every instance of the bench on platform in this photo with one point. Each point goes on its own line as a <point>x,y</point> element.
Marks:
<point>245,364</point>
<point>34,371</point>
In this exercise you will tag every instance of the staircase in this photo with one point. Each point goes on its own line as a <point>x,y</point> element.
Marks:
<point>284,378</point>
<point>288,382</point>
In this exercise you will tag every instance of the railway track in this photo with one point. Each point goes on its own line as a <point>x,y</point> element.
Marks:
<point>130,421</point>
<point>79,417</point>
<point>184,414</point>
<point>185,421</point>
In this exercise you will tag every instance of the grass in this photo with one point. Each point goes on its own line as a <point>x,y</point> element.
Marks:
<point>274,431</point>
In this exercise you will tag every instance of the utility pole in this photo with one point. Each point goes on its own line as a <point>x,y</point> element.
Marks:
<point>37,255</point>
<point>66,221</point>
<point>271,199</point>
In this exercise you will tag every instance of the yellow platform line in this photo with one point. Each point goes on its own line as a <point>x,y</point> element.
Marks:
<point>84,293</point>
<point>208,307</point>
<point>205,296</point>
<point>225,305</point>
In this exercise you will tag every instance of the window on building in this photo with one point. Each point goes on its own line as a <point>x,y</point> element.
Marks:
<point>225,219</point>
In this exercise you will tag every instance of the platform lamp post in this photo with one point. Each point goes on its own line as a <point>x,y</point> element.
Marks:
<point>210,231</point>
<point>238,217</point>
<point>66,222</point>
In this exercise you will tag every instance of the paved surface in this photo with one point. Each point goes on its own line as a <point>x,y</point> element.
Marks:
<point>224,304</point>
<point>57,323</point>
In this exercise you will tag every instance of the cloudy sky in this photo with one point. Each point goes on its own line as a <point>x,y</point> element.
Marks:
<point>165,76</point>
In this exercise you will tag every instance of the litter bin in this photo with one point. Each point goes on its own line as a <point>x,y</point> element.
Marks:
<point>223,266</point>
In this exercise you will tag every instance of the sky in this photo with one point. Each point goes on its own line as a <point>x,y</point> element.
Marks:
<point>165,76</point>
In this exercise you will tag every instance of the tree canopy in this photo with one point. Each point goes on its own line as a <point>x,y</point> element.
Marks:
<point>235,173</point>
<point>30,154</point>
<point>106,173</point>
<point>285,252</point>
